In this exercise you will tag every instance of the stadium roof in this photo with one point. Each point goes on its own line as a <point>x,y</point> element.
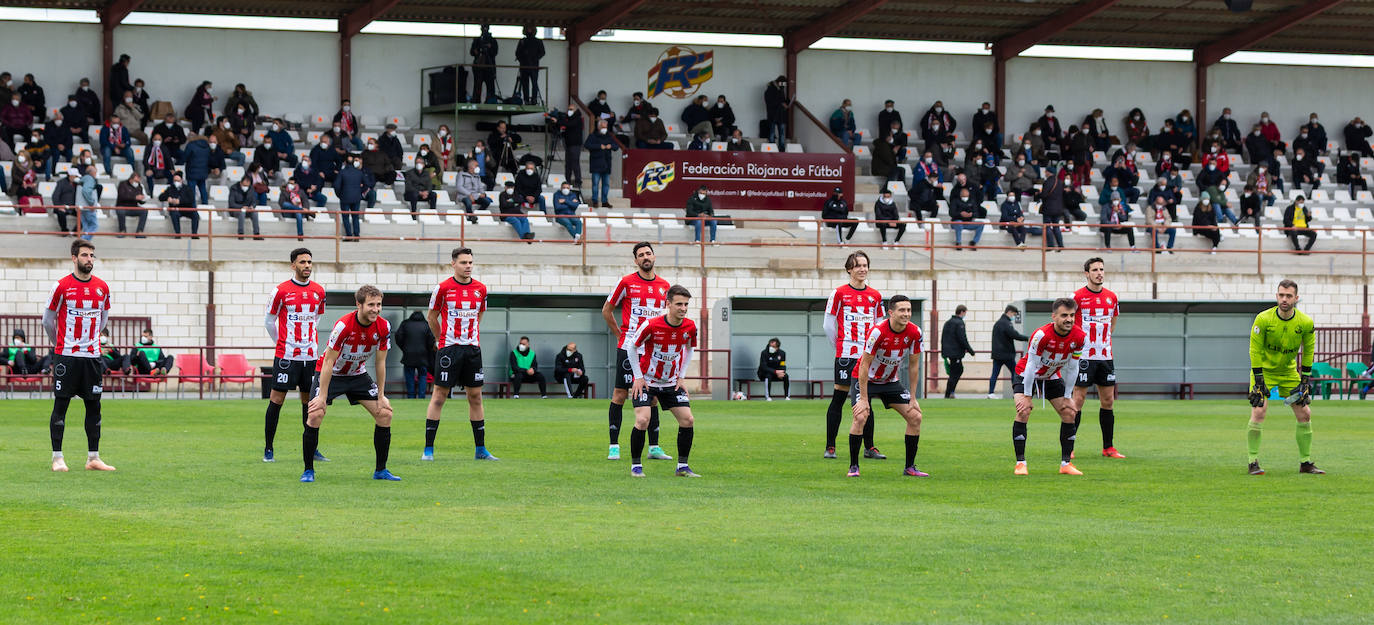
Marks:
<point>1327,26</point>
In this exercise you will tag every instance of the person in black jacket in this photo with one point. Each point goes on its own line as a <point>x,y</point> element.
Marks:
<point>1357,137</point>
<point>570,130</point>
<point>835,213</point>
<point>571,371</point>
<point>775,103</point>
<point>119,79</point>
<point>773,366</point>
<point>483,51</point>
<point>886,213</point>
<point>528,53</point>
<point>953,346</point>
<point>524,367</point>
<point>416,341</point>
<point>1004,337</point>
<point>722,118</point>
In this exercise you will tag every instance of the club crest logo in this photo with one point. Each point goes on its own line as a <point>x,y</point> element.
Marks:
<point>654,177</point>
<point>680,72</point>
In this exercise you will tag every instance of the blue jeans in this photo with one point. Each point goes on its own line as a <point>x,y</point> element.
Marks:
<point>202,189</point>
<point>1172,232</point>
<point>601,187</point>
<point>320,199</point>
<point>1053,236</point>
<point>521,225</point>
<point>1226,212</point>
<point>697,224</point>
<point>108,152</point>
<point>851,138</point>
<point>959,233</point>
<point>415,381</point>
<point>573,224</point>
<point>299,216</point>
<point>483,202</point>
<point>350,213</point>
<point>90,222</point>
<point>237,157</point>
<point>777,133</point>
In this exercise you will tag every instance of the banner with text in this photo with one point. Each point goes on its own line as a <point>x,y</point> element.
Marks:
<point>735,180</point>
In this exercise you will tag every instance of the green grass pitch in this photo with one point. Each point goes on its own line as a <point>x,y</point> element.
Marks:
<point>193,527</point>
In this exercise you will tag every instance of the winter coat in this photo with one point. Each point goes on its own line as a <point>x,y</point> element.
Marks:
<point>599,148</point>
<point>954,339</point>
<point>350,185</point>
<point>197,156</point>
<point>1004,337</point>
<point>416,341</point>
<point>698,206</point>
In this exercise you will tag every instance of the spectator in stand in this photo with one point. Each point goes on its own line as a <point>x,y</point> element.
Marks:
<point>58,135</point>
<point>1111,220</point>
<point>722,118</point>
<point>198,156</point>
<point>1209,176</point>
<point>987,128</point>
<point>1307,170</point>
<point>1080,142</point>
<point>325,158</point>
<point>429,163</point>
<point>1216,195</point>
<point>773,367</point>
<point>200,111</point>
<point>775,104</point>
<point>115,141</point>
<point>33,97</point>
<point>1172,140</point>
<point>885,157</point>
<point>528,53</point>
<point>953,346</point>
<point>420,188</point>
<point>651,134</point>
<point>173,136</point>
<point>268,157</point>
<point>1073,196</point>
<point>260,180</point>
<point>1357,135</point>
<point>738,143</point>
<point>601,109</point>
<point>937,123</point>
<point>1167,169</point>
<point>1137,129</point>
<point>416,341</point>
<point>524,367</point>
<point>295,203</point>
<point>1298,218</point>
<point>471,190</point>
<point>483,53</point>
<point>1021,177</point>
<point>1250,208</point>
<point>1122,170</point>
<point>1265,182</point>
<point>570,371</point>
<point>280,142</point>
<point>119,79</point>
<point>1162,221</point>
<point>699,205</point>
<point>1205,222</point>
<point>1049,125</point>
<point>1033,145</point>
<point>110,357</point>
<point>926,189</point>
<point>1102,138</point>
<point>599,146</point>
<point>311,182</point>
<point>20,356</point>
<point>990,175</point>
<point>1348,173</point>
<point>963,181</point>
<point>1014,220</point>
<point>639,109</point>
<point>570,129</point>
<point>380,166</point>
<point>963,210</point>
<point>888,119</point>
<point>1187,126</point>
<point>157,160</point>
<point>148,358</point>
<point>1306,141</point>
<point>346,127</point>
<point>75,118</point>
<point>89,102</point>
<point>40,154</point>
<point>565,204</point>
<point>131,194</point>
<point>1216,155</point>
<point>513,209</point>
<point>229,142</point>
<point>144,101</point>
<point>6,86</point>
<point>503,144</point>
<point>940,143</point>
<point>180,199</point>
<point>1270,131</point>
<point>391,146</point>
<point>25,172</point>
<point>64,198</point>
<point>886,214</point>
<point>242,203</point>
<point>1052,211</point>
<point>1230,132</point>
<point>1212,140</point>
<point>835,214</point>
<point>447,157</point>
<point>351,184</point>
<point>529,186</point>
<point>695,118</point>
<point>15,119</point>
<point>700,143</point>
<point>131,114</point>
<point>843,127</point>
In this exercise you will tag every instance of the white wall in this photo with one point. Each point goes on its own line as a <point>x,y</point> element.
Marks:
<point>912,81</point>
<point>58,56</point>
<point>1289,94</point>
<point>1076,87</point>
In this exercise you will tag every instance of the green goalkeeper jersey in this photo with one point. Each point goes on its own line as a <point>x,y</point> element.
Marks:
<point>1275,342</point>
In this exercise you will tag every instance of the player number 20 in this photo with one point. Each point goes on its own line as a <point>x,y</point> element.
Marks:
<point>281,378</point>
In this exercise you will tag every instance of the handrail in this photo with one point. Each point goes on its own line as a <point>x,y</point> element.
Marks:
<point>825,128</point>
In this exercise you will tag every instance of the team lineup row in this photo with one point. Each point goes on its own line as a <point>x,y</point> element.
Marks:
<point>873,338</point>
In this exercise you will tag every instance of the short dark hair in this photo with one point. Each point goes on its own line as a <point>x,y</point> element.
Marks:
<point>1096,259</point>
<point>299,251</point>
<point>1011,309</point>
<point>147,330</point>
<point>365,291</point>
<point>78,244</point>
<point>894,300</point>
<point>676,290</point>
<point>459,251</point>
<point>1288,284</point>
<point>524,338</point>
<point>775,340</point>
<point>637,94</point>
<point>1064,302</point>
<point>853,260</point>
<point>960,309</point>
<point>635,251</point>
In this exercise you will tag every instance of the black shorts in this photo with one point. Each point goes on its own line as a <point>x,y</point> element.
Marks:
<point>356,387</point>
<point>892,393</point>
<point>624,376</point>
<point>1096,373</point>
<point>459,365</point>
<point>667,398</point>
<point>844,369</point>
<point>1052,389</point>
<point>292,375</point>
<point>75,376</point>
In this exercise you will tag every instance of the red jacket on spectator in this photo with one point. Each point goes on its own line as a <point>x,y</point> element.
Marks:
<point>16,116</point>
<point>1222,160</point>
<point>1270,131</point>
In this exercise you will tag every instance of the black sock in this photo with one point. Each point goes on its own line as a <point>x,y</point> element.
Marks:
<point>1018,439</point>
<point>912,441</point>
<point>310,440</point>
<point>1077,419</point>
<point>616,416</point>
<point>479,433</point>
<point>854,441</point>
<point>305,414</point>
<point>1066,436</point>
<point>431,428</point>
<point>269,429</point>
<point>684,444</point>
<point>868,430</point>
<point>57,423</point>
<point>93,425</point>
<point>381,443</point>
<point>637,445</point>
<point>1107,419</point>
<point>832,417</point>
<point>653,426</point>
<point>787,387</point>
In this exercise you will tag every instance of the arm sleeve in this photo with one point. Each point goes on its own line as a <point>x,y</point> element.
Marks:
<point>1309,346</point>
<point>270,322</point>
<point>1257,345</point>
<point>831,325</point>
<point>686,361</point>
<point>963,339</point>
<point>1032,365</point>
<point>636,350</point>
<point>50,324</point>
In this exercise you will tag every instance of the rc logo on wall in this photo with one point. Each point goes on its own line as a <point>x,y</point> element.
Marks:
<point>654,177</point>
<point>680,72</point>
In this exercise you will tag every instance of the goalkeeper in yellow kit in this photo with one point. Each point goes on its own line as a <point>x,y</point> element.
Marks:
<point>1276,338</point>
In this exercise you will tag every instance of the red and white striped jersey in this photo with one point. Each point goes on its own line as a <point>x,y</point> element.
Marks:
<point>297,307</point>
<point>888,347</point>
<point>460,309</point>
<point>1048,353</point>
<point>82,308</point>
<point>356,343</point>
<point>639,300</point>
<point>662,349</point>
<point>1096,313</point>
<point>856,311</point>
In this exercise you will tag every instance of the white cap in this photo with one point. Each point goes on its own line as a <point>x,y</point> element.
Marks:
<point>72,171</point>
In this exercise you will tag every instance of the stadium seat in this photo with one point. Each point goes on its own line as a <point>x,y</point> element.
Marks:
<point>122,171</point>
<point>861,151</point>
<point>717,146</point>
<point>1353,370</point>
<point>192,369</point>
<point>1324,374</point>
<point>450,179</point>
<point>321,121</point>
<point>769,147</point>
<point>422,139</point>
<point>399,121</point>
<point>234,369</point>
<point>794,148</point>
<point>672,128</point>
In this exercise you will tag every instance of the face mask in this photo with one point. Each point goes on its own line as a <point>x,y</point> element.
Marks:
<point>1036,133</point>
<point>1226,116</point>
<point>71,103</point>
<point>701,196</point>
<point>935,128</point>
<point>888,109</point>
<point>565,190</point>
<point>1166,157</point>
<point>443,133</point>
<point>323,144</point>
<point>1184,118</point>
<point>601,130</point>
<point>653,119</point>
<point>638,101</point>
<point>1049,115</point>
<point>977,146</point>
<point>1256,133</point>
<point>1299,203</point>
<point>570,112</point>
<point>1263,168</point>
<point>1020,162</point>
<point>214,145</point>
<point>225,125</point>
<point>391,133</point>
<point>1211,168</point>
<point>89,161</point>
<point>337,129</point>
<point>987,110</point>
<point>1303,135</point>
<point>1264,119</point>
<point>939,109</point>
<point>291,185</point>
<point>846,109</point>
<point>157,143</point>
<point>36,139</point>
<point>772,350</point>
<point>85,88</point>
<point>267,146</point>
<point>276,127</point>
<point>126,101</point>
<point>1314,120</point>
<point>1071,167</point>
<point>23,158</point>
<point>1087,130</point>
<point>57,122</point>
<point>1161,183</point>
<point>1026,146</point>
<point>371,146</point>
<point>347,108</point>
<point>529,170</point>
<point>929,160</point>
<point>208,91</point>
<point>114,126</point>
<point>305,165</point>
<point>104,340</point>
<point>424,152</point>
<point>601,100</point>
<point>477,150</point>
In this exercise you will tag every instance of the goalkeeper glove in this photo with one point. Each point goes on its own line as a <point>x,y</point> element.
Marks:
<point>1304,391</point>
<point>1256,395</point>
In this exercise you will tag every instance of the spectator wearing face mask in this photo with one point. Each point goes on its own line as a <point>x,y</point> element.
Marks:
<point>1033,145</point>
<point>148,358</point>
<point>1357,135</point>
<point>1137,128</point>
<point>20,356</point>
<point>1205,222</point>
<point>25,183</point>
<point>310,182</point>
<point>64,198</point>
<point>600,146</point>
<point>570,130</point>
<point>390,145</point>
<point>157,160</point>
<point>1231,137</point>
<point>842,125</point>
<point>180,199</point>
<point>200,111</point>
<point>601,109</point>
<point>143,100</point>
<point>351,185</point>
<point>699,206</point>
<point>1250,207</point>
<point>129,199</point>
<point>773,368</point>
<point>32,96</point>
<point>58,135</point>
<point>650,134</point>
<point>428,162</point>
<point>529,186</point>
<point>835,214</point>
<point>1270,131</point>
<point>131,115</point>
<point>89,102</point>
<point>1014,222</point>
<point>775,103</point>
<point>565,203</point>
<point>346,127</point>
<point>722,118</point>
<point>1215,154</point>
<point>419,188</point>
<point>198,157</point>
<point>119,79</point>
<point>524,367</point>
<point>1187,126</point>
<point>173,136</point>
<point>1307,170</point>
<point>937,122</point>
<point>1053,133</point>
<point>987,128</point>
<point>1111,220</point>
<point>502,143</point>
<point>1299,219</point>
<point>282,143</point>
<point>939,142</point>
<point>40,154</point>
<point>700,143</point>
<point>243,201</point>
<point>229,142</point>
<point>472,190</point>
<point>325,158</point>
<point>15,120</point>
<point>1348,173</point>
<point>887,216</point>
<point>1169,138</point>
<point>294,202</point>
<point>485,164</point>
<point>963,210</point>
<point>738,143</point>
<point>695,118</point>
<point>115,141</point>
<point>1022,176</point>
<point>1313,143</point>
<point>885,158</point>
<point>1162,220</point>
<point>1209,176</point>
<point>1267,183</point>
<point>570,371</point>
<point>380,167</point>
<point>267,157</point>
<point>926,190</point>
<point>513,207</point>
<point>1102,137</point>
